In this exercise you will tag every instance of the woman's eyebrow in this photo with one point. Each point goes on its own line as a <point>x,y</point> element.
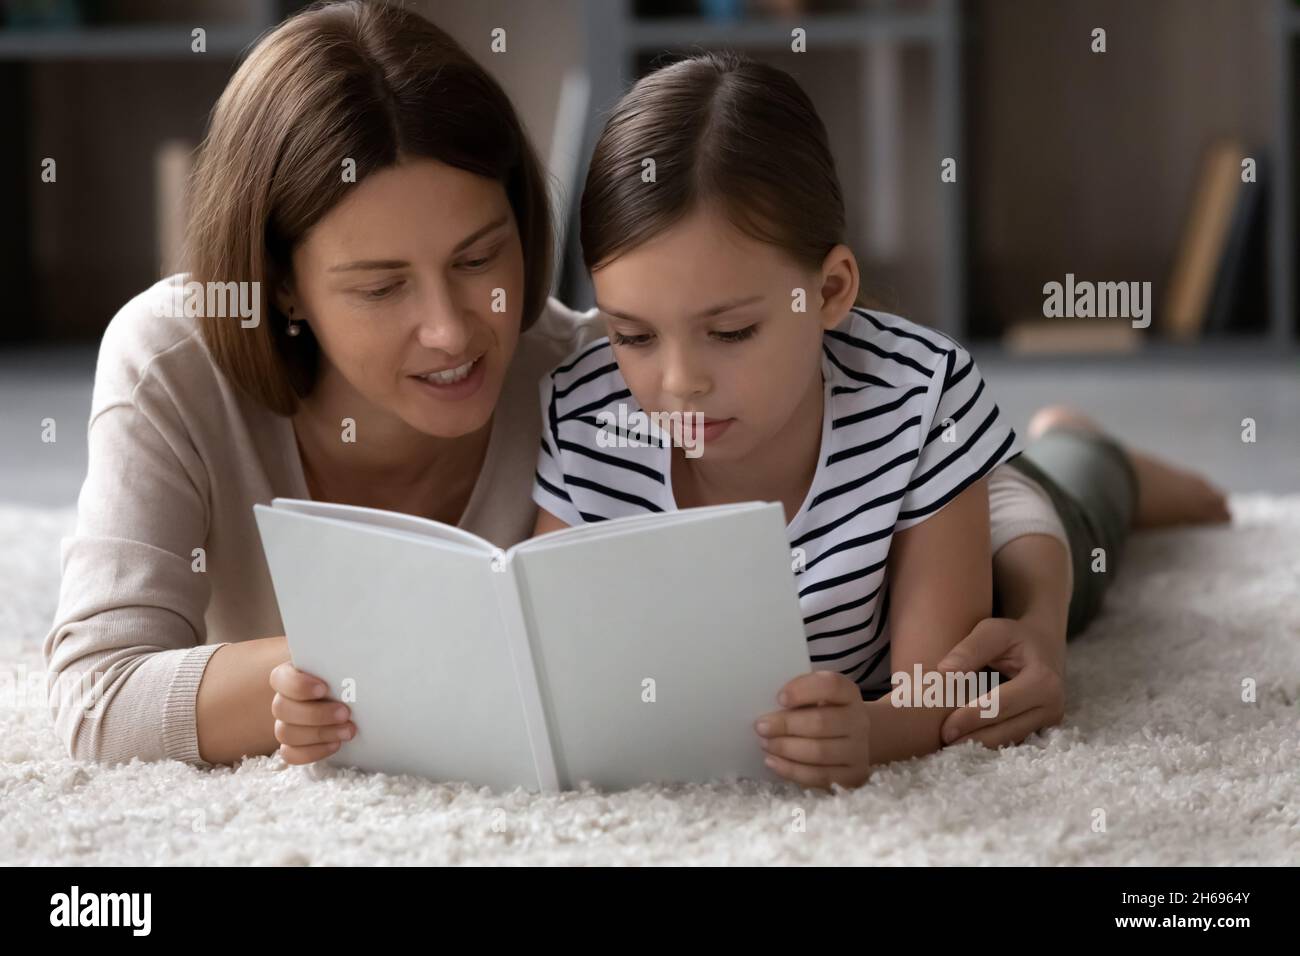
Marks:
<point>703,314</point>
<point>480,233</point>
<point>469,240</point>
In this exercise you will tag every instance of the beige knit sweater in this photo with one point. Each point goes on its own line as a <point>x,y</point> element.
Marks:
<point>178,457</point>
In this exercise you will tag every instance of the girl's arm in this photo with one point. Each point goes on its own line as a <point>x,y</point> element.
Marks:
<point>547,522</point>
<point>940,588</point>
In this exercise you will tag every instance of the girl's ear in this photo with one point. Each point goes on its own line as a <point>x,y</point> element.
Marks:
<point>839,289</point>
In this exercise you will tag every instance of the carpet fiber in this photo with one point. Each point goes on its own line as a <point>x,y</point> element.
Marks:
<point>1156,737</point>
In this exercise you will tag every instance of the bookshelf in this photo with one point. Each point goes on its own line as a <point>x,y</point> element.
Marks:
<point>1284,328</point>
<point>618,40</point>
<point>101,88</point>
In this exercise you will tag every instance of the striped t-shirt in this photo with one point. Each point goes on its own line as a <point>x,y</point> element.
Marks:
<point>907,425</point>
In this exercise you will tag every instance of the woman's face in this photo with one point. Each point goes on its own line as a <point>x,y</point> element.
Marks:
<point>703,319</point>
<point>413,286</point>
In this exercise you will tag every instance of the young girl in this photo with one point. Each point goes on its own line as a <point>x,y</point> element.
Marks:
<point>712,223</point>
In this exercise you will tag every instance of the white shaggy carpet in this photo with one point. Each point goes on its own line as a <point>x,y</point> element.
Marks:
<point>1156,736</point>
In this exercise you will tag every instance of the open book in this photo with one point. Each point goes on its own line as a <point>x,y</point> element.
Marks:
<point>624,652</point>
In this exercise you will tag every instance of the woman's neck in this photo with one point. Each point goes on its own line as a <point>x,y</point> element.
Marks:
<point>387,464</point>
<point>782,469</point>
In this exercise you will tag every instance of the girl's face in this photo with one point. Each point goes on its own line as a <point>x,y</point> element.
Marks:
<point>702,319</point>
<point>413,286</point>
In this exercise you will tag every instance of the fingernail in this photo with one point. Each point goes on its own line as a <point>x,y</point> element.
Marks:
<point>783,698</point>
<point>770,761</point>
<point>340,714</point>
<point>948,736</point>
<point>320,689</point>
<point>763,727</point>
<point>345,733</point>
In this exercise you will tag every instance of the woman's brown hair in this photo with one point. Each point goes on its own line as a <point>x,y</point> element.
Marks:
<point>722,129</point>
<point>359,80</point>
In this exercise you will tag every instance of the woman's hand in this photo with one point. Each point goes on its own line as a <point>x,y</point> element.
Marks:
<point>1032,699</point>
<point>822,735</point>
<point>308,725</point>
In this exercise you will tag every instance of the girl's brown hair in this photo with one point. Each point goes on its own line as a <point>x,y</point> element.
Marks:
<point>721,129</point>
<point>366,81</point>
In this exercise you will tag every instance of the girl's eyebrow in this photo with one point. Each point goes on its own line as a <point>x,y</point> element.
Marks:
<point>704,314</point>
<point>362,264</point>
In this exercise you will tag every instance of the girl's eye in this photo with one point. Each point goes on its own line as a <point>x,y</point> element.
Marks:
<point>737,335</point>
<point>382,293</point>
<point>633,340</point>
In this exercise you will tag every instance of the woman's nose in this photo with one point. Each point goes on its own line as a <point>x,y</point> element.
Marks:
<point>444,326</point>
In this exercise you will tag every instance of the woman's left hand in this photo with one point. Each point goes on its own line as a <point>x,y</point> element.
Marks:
<point>1034,697</point>
<point>822,735</point>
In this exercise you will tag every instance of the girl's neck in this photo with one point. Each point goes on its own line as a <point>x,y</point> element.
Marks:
<point>782,469</point>
<point>389,464</point>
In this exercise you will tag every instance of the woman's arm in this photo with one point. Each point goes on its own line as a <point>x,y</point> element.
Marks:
<point>233,706</point>
<point>1031,574</point>
<point>940,587</point>
<point>126,651</point>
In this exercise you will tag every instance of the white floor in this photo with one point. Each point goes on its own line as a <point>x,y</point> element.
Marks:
<point>1160,760</point>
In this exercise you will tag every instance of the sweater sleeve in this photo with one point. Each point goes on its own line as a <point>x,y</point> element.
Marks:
<point>126,651</point>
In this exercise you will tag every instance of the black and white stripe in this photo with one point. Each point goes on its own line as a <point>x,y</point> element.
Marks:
<point>908,425</point>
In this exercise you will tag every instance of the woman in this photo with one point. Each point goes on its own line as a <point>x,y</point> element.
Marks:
<point>376,186</point>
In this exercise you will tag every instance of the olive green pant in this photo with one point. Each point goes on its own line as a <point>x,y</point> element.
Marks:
<point>1094,488</point>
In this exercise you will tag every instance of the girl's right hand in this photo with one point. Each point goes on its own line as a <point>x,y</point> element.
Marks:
<point>308,725</point>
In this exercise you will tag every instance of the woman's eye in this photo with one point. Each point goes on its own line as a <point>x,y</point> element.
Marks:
<point>633,340</point>
<point>475,264</point>
<point>737,335</point>
<point>381,293</point>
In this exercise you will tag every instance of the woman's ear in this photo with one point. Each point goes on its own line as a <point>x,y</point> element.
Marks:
<point>286,300</point>
<point>839,285</point>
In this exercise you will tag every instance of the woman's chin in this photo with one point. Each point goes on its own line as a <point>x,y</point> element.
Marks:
<point>438,416</point>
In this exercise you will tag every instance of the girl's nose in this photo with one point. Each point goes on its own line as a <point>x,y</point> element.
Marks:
<point>684,377</point>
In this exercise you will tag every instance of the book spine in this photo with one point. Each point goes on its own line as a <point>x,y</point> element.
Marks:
<point>509,601</point>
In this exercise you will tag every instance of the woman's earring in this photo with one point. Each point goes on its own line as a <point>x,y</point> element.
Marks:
<point>295,328</point>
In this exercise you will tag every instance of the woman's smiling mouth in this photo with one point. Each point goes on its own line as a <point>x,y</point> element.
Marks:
<point>460,381</point>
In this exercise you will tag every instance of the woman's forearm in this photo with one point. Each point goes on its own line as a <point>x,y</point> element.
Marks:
<point>1031,576</point>
<point>233,708</point>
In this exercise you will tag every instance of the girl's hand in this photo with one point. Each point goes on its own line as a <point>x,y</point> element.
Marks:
<point>821,737</point>
<point>308,725</point>
<point>1032,699</point>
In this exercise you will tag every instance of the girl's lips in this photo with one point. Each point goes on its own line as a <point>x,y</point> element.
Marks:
<point>712,430</point>
<point>455,391</point>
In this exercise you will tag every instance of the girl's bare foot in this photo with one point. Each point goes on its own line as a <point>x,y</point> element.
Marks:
<point>1167,494</point>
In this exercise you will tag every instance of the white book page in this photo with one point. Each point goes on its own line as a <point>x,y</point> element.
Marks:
<point>705,608</point>
<point>599,529</point>
<point>393,520</point>
<point>415,626</point>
